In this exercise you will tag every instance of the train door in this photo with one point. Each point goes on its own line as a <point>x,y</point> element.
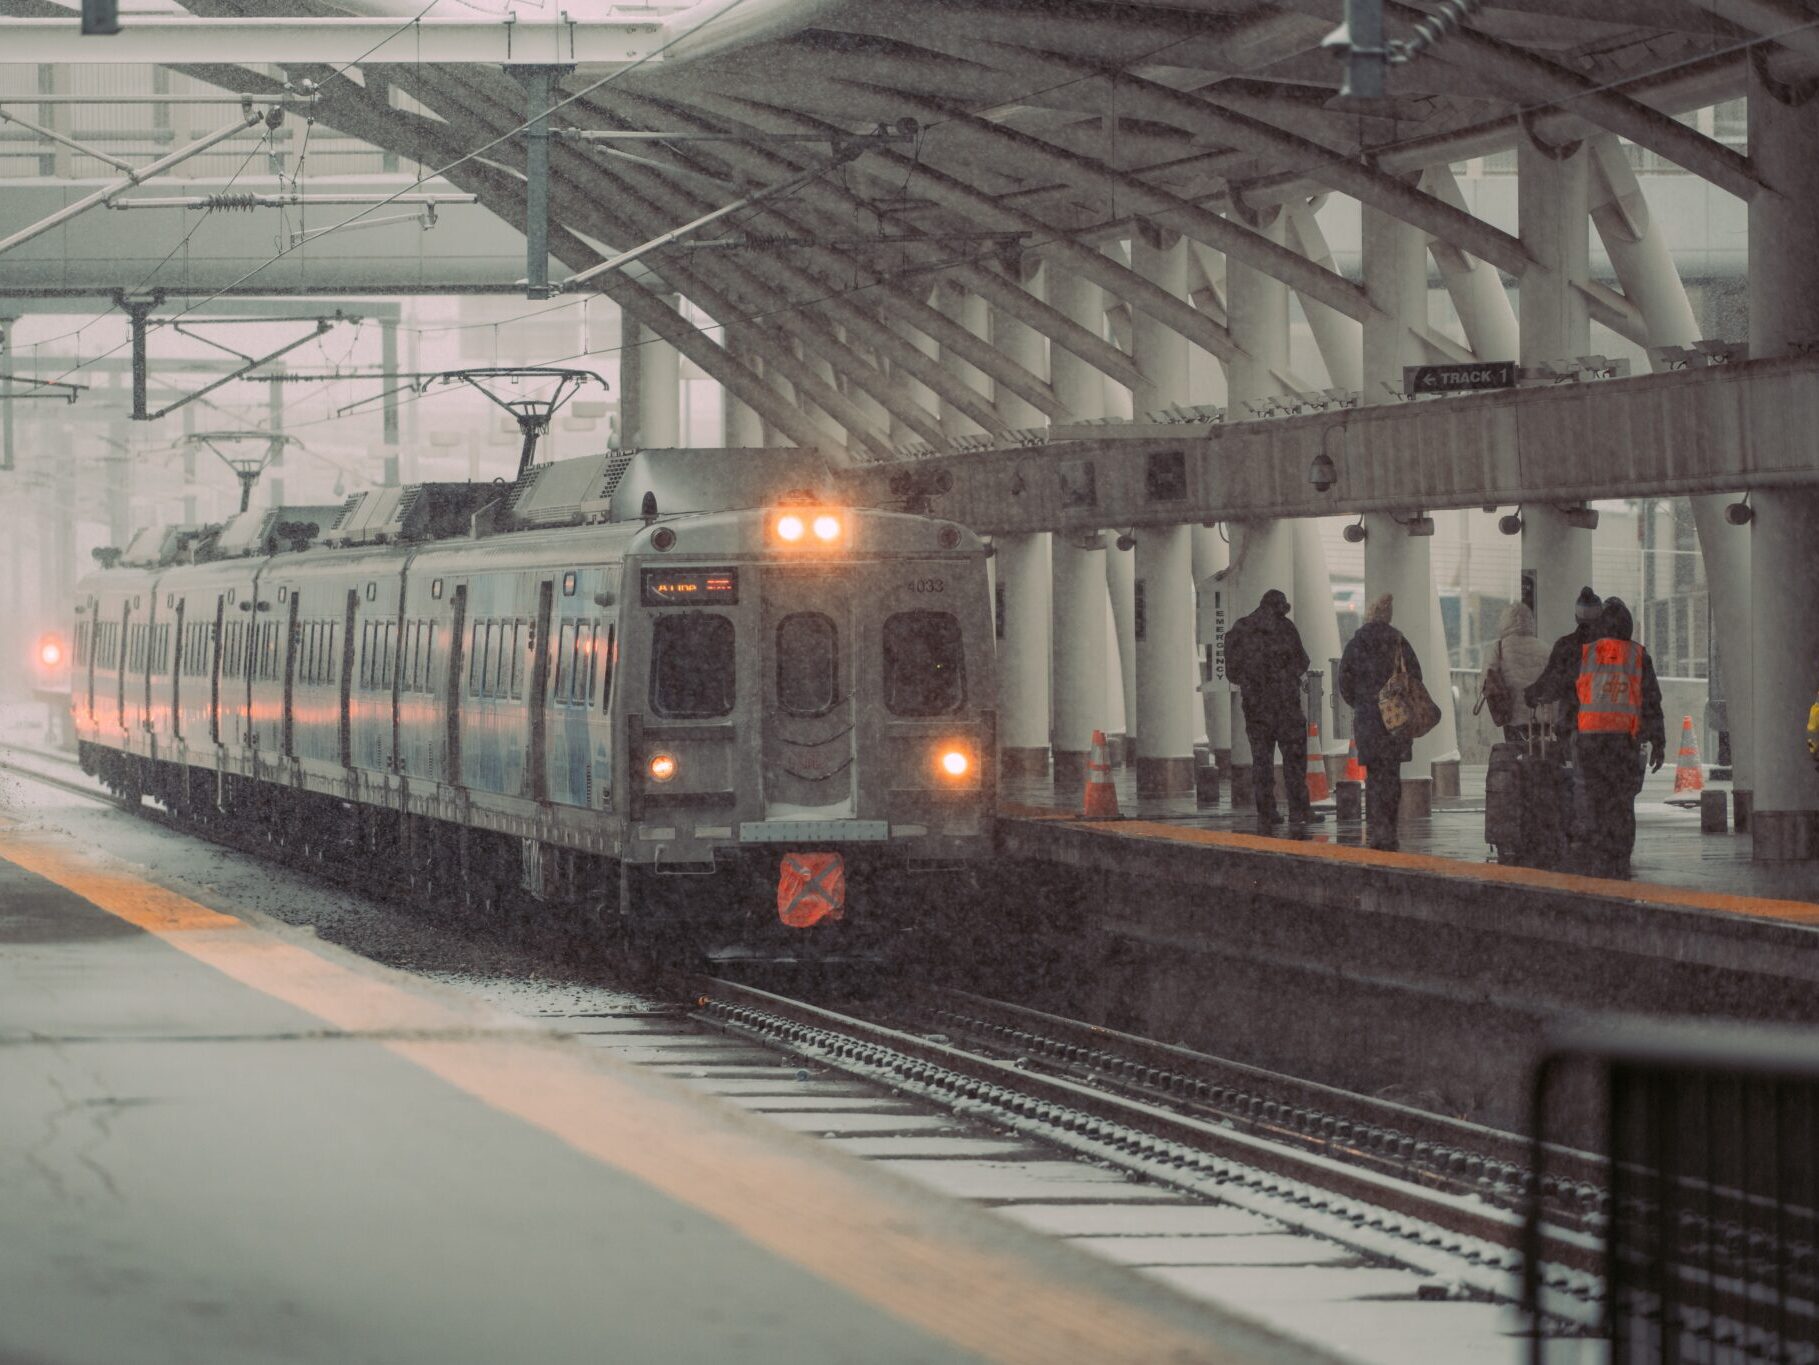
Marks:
<point>124,654</point>
<point>809,712</point>
<point>214,670</point>
<point>94,648</point>
<point>457,671</point>
<point>346,683</point>
<point>177,666</point>
<point>538,701</point>
<point>288,725</point>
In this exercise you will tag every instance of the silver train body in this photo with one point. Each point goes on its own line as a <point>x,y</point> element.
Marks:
<point>616,686</point>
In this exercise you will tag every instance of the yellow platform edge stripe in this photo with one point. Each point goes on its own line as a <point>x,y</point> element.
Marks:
<point>1642,893</point>
<point>887,1246</point>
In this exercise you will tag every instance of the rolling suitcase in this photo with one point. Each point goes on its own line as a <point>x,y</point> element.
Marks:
<point>1526,799</point>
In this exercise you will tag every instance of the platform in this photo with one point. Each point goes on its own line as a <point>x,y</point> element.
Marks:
<point>1428,971</point>
<point>221,1140</point>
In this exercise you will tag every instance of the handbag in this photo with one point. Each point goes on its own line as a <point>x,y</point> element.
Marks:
<point>1495,693</point>
<point>1407,710</point>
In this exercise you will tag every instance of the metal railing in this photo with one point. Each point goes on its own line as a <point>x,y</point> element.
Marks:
<point>1711,1134</point>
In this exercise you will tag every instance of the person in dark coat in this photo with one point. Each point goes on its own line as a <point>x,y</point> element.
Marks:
<point>1558,682</point>
<point>1265,660</point>
<point>1610,762</point>
<point>1368,662</point>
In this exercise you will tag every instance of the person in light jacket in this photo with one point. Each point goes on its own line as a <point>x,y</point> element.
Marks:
<point>1517,660</point>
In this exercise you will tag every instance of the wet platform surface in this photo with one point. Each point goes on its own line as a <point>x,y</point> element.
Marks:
<point>221,1140</point>
<point>1671,851</point>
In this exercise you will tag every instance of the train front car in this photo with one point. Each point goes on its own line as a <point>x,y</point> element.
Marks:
<point>809,726</point>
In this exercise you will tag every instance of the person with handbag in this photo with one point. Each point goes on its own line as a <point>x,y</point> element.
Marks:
<point>1516,660</point>
<point>1380,679</point>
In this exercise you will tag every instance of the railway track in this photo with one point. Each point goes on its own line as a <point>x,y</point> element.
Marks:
<point>1269,1171</point>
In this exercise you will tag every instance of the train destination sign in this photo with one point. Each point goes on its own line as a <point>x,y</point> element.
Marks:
<point>691,587</point>
<point>1479,374</point>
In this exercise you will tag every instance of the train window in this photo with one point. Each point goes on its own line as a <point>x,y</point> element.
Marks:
<point>391,628</point>
<point>609,657</point>
<point>808,664</point>
<point>565,645</point>
<point>924,669</point>
<point>515,644</point>
<point>692,665</point>
<point>426,641</point>
<point>581,677</point>
<point>495,664</point>
<point>473,661</point>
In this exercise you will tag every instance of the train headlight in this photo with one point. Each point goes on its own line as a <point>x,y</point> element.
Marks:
<point>827,527</point>
<point>955,762</point>
<point>50,651</point>
<point>662,767</point>
<point>790,528</point>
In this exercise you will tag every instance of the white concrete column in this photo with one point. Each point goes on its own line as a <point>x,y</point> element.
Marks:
<point>1213,586</point>
<point>1080,646</point>
<point>1552,207</point>
<point>655,392</point>
<point>1475,286</point>
<point>1314,617</point>
<point>1395,276</point>
<point>1163,605</point>
<point>1081,649</point>
<point>744,428</point>
<point>1164,629</point>
<point>972,312</point>
<point>1023,585</point>
<point>1784,551</point>
<point>1121,585</point>
<point>1339,339</point>
<point>1262,551</point>
<point>1076,383</point>
<point>1022,562</point>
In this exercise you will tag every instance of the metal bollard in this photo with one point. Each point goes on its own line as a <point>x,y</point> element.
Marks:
<point>1714,811</point>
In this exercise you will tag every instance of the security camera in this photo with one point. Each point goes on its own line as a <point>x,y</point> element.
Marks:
<point>1420,526</point>
<point>1510,525</point>
<point>1354,534</point>
<point>1322,473</point>
<point>1581,518</point>
<point>1127,541</point>
<point>1740,513</point>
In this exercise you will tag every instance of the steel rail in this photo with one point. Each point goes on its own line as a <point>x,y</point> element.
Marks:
<point>1385,1215</point>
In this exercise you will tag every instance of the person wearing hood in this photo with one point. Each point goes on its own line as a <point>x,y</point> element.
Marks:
<point>1265,659</point>
<point>1369,660</point>
<point>1561,675</point>
<point>1618,710</point>
<point>1515,661</point>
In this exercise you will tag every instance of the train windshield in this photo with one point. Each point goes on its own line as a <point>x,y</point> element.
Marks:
<point>692,666</point>
<point>924,672</point>
<point>808,664</point>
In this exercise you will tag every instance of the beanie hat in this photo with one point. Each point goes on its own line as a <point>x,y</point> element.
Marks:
<point>1588,607</point>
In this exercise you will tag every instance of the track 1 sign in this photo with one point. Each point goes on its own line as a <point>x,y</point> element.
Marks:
<point>1484,374</point>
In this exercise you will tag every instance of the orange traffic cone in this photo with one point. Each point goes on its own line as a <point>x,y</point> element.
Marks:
<point>1354,770</point>
<point>1317,786</point>
<point>1101,799</point>
<point>1688,775</point>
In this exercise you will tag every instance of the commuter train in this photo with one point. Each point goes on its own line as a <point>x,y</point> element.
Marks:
<point>684,696</point>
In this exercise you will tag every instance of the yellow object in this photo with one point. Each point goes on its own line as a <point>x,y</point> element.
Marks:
<point>1812,732</point>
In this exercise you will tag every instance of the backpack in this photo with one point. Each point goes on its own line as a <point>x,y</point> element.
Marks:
<point>1495,693</point>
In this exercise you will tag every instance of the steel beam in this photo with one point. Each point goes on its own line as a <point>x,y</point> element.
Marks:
<point>162,40</point>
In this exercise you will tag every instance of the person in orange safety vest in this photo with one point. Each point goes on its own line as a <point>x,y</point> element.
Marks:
<point>1619,710</point>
